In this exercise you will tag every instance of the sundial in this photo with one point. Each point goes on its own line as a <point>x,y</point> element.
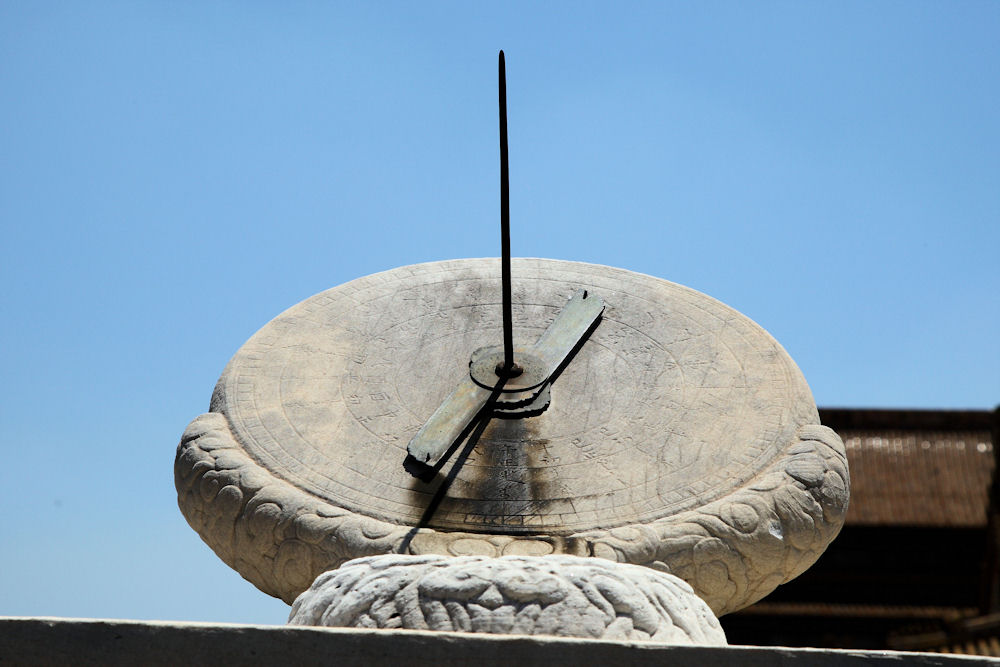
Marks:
<point>515,407</point>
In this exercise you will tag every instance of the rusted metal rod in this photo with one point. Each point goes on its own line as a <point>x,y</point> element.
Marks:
<point>508,326</point>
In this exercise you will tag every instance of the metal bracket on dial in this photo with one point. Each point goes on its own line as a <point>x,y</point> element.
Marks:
<point>487,362</point>
<point>523,394</point>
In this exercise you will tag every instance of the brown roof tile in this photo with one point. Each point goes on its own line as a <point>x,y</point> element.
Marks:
<point>919,478</point>
<point>847,610</point>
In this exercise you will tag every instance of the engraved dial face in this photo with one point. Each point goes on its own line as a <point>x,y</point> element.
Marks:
<point>673,401</point>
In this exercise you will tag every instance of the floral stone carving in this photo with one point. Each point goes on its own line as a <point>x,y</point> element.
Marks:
<point>564,596</point>
<point>732,552</point>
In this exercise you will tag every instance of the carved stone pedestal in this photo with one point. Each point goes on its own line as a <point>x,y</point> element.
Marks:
<point>562,596</point>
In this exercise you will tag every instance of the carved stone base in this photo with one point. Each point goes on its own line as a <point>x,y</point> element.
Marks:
<point>563,596</point>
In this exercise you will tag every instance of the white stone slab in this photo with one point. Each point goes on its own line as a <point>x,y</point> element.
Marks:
<point>109,643</point>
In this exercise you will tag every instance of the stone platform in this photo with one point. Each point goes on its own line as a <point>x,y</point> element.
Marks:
<point>84,642</point>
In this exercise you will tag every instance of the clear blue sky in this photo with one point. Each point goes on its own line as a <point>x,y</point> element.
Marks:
<point>173,175</point>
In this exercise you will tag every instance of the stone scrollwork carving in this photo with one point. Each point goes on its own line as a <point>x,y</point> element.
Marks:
<point>732,551</point>
<point>736,550</point>
<point>527,595</point>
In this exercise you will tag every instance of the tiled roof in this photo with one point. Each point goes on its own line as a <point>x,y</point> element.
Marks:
<point>975,635</point>
<point>932,629</point>
<point>915,468</point>
<point>986,646</point>
<point>927,478</point>
<point>835,610</point>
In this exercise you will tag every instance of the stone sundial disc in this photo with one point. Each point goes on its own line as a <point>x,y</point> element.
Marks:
<point>680,436</point>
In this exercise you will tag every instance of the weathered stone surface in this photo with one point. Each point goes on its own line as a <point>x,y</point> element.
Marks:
<point>680,437</point>
<point>564,596</point>
<point>109,643</point>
